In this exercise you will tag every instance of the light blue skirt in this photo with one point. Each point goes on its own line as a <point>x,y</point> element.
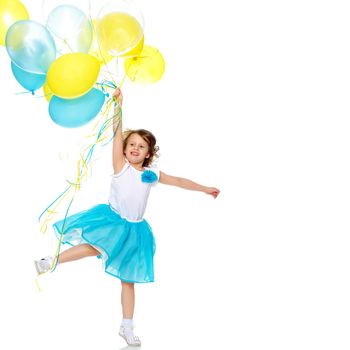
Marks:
<point>127,248</point>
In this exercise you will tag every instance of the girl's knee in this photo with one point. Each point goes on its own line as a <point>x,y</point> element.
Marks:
<point>90,250</point>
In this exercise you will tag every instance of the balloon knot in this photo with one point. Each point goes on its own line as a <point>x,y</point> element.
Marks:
<point>33,93</point>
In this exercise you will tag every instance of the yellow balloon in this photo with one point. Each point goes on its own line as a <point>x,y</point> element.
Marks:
<point>96,49</point>
<point>136,50</point>
<point>73,74</point>
<point>147,67</point>
<point>10,12</point>
<point>118,33</point>
<point>47,92</point>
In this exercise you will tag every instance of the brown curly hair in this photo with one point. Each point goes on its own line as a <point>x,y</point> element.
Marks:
<point>149,138</point>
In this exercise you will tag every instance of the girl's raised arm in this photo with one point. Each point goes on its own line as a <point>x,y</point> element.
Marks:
<point>187,184</point>
<point>118,153</point>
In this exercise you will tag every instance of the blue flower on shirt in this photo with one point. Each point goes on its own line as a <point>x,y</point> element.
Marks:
<point>149,176</point>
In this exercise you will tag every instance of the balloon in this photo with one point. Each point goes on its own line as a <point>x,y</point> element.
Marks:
<point>119,28</point>
<point>147,67</point>
<point>30,46</point>
<point>96,50</point>
<point>10,12</point>
<point>72,27</point>
<point>30,81</point>
<point>73,74</point>
<point>47,92</point>
<point>136,50</point>
<point>76,112</point>
<point>118,33</point>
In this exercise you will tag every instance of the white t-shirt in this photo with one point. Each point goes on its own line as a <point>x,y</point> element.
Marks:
<point>129,194</point>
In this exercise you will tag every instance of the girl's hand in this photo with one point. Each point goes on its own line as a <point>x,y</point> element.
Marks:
<point>118,96</point>
<point>212,191</point>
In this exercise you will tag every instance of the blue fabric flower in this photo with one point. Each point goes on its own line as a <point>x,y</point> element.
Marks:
<point>149,176</point>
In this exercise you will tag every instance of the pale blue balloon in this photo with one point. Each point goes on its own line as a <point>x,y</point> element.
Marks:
<point>78,111</point>
<point>71,26</point>
<point>30,46</point>
<point>30,81</point>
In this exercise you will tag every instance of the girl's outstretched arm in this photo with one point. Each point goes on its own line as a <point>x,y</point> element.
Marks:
<point>117,153</point>
<point>187,184</point>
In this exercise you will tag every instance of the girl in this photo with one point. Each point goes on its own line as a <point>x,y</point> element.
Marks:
<point>116,232</point>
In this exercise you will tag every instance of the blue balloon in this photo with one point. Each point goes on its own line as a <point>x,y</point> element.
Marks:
<point>30,81</point>
<point>76,112</point>
<point>30,46</point>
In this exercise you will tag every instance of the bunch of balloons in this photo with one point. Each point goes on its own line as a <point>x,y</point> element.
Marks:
<point>64,56</point>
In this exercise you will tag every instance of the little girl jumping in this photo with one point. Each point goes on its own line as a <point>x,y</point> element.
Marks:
<point>116,232</point>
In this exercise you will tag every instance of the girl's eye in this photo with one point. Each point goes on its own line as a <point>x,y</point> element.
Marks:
<point>142,146</point>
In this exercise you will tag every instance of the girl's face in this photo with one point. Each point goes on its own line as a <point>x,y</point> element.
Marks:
<point>136,149</point>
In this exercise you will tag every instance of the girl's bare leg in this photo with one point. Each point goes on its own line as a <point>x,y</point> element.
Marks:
<point>128,299</point>
<point>77,252</point>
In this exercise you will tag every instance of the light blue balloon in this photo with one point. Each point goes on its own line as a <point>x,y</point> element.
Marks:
<point>71,26</point>
<point>30,46</point>
<point>30,81</point>
<point>78,111</point>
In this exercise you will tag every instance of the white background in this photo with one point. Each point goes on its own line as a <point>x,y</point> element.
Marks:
<point>254,101</point>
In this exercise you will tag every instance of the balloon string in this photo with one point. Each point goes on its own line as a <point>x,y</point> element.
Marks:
<point>36,280</point>
<point>123,80</point>
<point>58,249</point>
<point>107,124</point>
<point>82,168</point>
<point>24,92</point>
<point>65,41</point>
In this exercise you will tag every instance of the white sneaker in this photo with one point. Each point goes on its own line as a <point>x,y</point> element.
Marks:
<point>128,334</point>
<point>43,265</point>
